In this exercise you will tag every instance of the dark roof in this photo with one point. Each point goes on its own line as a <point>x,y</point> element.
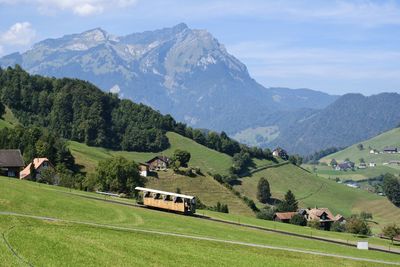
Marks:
<point>344,165</point>
<point>162,158</point>
<point>11,158</point>
<point>390,149</point>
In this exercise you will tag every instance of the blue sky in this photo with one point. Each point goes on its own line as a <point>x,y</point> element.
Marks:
<point>332,46</point>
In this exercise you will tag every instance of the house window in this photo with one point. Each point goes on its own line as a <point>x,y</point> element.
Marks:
<point>11,173</point>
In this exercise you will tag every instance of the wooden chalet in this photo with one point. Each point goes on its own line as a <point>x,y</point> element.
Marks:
<point>168,200</point>
<point>322,215</point>
<point>39,164</point>
<point>11,162</point>
<point>158,163</point>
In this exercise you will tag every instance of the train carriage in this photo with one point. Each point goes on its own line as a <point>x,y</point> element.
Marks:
<point>168,200</point>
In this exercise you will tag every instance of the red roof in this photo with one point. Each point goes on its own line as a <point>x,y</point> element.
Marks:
<point>285,215</point>
<point>36,163</point>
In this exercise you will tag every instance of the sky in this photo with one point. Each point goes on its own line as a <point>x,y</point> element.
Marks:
<point>333,46</point>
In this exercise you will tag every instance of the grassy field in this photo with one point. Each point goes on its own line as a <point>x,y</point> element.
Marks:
<point>205,187</point>
<point>309,189</point>
<point>308,231</point>
<point>312,190</point>
<point>357,174</point>
<point>52,243</point>
<point>206,159</point>
<point>390,138</point>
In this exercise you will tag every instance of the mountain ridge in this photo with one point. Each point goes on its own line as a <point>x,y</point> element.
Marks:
<point>177,70</point>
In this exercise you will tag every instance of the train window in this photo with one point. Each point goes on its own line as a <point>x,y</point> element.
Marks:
<point>178,200</point>
<point>146,194</point>
<point>167,197</point>
<point>156,196</point>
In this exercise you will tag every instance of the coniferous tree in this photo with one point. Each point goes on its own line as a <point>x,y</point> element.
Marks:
<point>263,190</point>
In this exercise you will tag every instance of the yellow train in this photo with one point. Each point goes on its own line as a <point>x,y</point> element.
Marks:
<point>168,200</point>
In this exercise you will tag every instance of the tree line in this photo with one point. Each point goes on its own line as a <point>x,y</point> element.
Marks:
<point>79,111</point>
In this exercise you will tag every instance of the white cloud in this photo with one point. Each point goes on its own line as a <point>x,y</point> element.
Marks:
<point>21,33</point>
<point>78,7</point>
<point>87,9</point>
<point>1,50</point>
<point>115,89</point>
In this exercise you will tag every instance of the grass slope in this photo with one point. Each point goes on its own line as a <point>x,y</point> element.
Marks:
<point>49,243</point>
<point>312,190</point>
<point>8,120</point>
<point>206,159</point>
<point>205,187</point>
<point>389,138</point>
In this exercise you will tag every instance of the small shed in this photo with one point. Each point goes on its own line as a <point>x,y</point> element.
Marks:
<point>284,216</point>
<point>11,162</point>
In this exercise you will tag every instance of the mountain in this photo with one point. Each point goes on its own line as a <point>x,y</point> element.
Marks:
<point>350,119</point>
<point>178,70</point>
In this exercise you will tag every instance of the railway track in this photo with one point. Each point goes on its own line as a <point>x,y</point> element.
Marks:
<point>202,217</point>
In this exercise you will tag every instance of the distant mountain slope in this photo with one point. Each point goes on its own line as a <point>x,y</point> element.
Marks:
<point>178,70</point>
<point>350,119</point>
<point>354,153</point>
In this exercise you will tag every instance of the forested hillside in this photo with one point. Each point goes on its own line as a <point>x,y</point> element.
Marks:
<point>79,111</point>
<point>350,119</point>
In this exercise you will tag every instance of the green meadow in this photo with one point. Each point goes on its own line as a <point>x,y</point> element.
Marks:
<point>50,243</point>
<point>206,159</point>
<point>312,190</point>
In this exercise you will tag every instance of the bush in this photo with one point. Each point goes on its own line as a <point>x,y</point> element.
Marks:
<point>298,219</point>
<point>391,231</point>
<point>338,227</point>
<point>250,203</point>
<point>220,208</point>
<point>266,213</point>
<point>357,226</point>
<point>199,204</point>
<point>314,224</point>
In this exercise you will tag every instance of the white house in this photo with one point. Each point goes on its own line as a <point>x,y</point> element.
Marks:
<point>372,164</point>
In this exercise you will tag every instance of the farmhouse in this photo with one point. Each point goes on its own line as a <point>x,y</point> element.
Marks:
<point>11,162</point>
<point>39,164</point>
<point>280,152</point>
<point>394,162</point>
<point>158,163</point>
<point>344,166</point>
<point>390,150</point>
<point>372,164</point>
<point>322,215</point>
<point>284,216</point>
<point>143,169</point>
